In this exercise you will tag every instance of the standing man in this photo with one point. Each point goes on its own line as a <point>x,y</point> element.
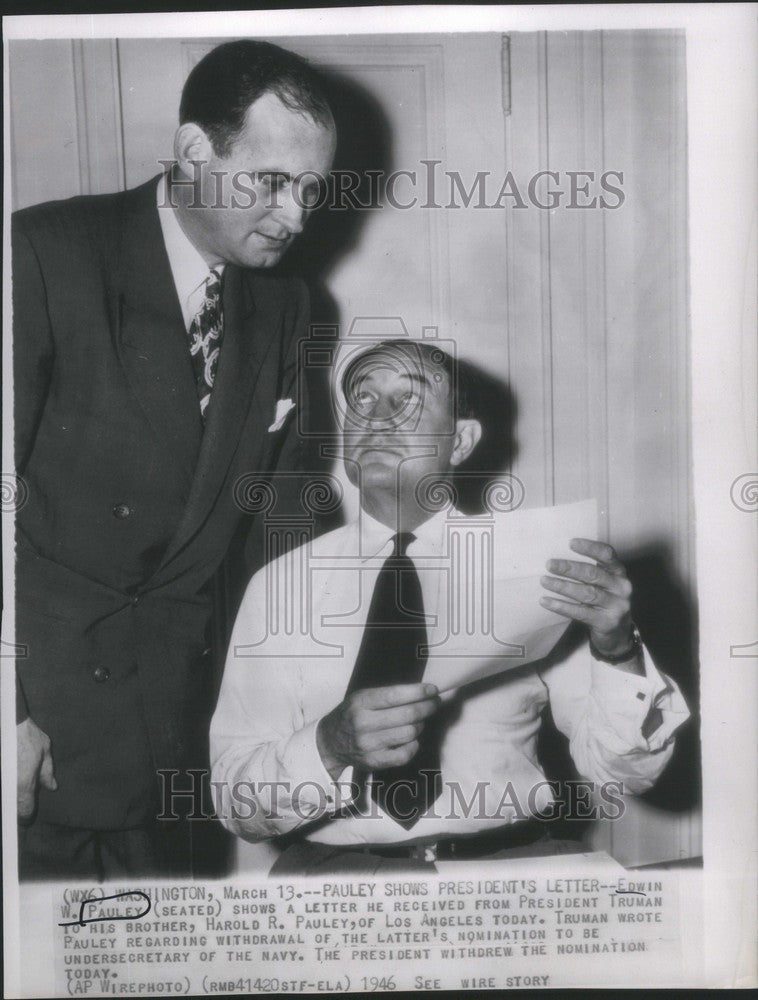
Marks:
<point>154,364</point>
<point>344,747</point>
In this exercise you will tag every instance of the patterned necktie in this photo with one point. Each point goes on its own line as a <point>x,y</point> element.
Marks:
<point>392,652</point>
<point>206,333</point>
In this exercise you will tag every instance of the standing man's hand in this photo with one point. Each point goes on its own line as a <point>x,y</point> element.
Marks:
<point>375,728</point>
<point>602,594</point>
<point>35,766</point>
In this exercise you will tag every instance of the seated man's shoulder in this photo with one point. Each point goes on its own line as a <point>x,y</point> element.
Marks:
<point>336,543</point>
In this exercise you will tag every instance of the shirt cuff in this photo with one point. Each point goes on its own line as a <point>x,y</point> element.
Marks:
<point>311,783</point>
<point>629,701</point>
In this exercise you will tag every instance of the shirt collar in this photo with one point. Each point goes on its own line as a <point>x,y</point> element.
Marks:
<point>374,537</point>
<point>189,269</point>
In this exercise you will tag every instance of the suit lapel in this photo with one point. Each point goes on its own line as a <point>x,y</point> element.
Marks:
<point>249,331</point>
<point>151,341</point>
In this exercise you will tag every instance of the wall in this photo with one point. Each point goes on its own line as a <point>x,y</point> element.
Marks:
<point>597,305</point>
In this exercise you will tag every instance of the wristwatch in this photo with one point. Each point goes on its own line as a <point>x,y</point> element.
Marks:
<point>634,648</point>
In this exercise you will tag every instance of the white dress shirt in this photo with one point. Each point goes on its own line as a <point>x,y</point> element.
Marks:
<point>291,655</point>
<point>188,267</point>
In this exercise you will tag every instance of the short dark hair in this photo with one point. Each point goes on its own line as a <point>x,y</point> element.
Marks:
<point>224,84</point>
<point>462,378</point>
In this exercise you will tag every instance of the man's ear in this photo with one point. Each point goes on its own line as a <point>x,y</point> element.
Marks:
<point>467,436</point>
<point>191,144</point>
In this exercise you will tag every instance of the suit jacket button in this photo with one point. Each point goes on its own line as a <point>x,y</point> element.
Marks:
<point>101,674</point>
<point>122,510</point>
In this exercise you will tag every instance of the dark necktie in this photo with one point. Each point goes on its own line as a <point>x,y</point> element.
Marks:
<point>206,333</point>
<point>393,651</point>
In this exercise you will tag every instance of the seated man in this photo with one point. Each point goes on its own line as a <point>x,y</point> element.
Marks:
<point>326,735</point>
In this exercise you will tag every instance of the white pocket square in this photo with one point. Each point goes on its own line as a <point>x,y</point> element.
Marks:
<point>283,407</point>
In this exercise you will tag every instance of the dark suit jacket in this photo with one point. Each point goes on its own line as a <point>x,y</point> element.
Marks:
<point>131,505</point>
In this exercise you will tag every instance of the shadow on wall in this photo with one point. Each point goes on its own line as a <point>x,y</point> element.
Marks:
<point>493,457</point>
<point>666,616</point>
<point>364,144</point>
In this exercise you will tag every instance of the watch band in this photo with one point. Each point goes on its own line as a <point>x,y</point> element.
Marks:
<point>634,648</point>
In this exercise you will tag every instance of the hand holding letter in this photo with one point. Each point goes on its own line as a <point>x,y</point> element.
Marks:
<point>598,596</point>
<point>375,728</point>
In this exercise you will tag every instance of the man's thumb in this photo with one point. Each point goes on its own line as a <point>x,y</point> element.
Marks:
<point>46,776</point>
